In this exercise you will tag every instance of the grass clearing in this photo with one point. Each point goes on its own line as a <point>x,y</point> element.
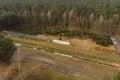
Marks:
<point>30,71</point>
<point>89,70</point>
<point>75,51</point>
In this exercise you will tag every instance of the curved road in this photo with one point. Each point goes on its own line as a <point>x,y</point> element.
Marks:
<point>71,66</point>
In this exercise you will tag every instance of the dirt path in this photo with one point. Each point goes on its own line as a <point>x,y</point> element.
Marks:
<point>57,65</point>
<point>75,67</point>
<point>1,76</point>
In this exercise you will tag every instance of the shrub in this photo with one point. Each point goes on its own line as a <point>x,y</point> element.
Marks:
<point>117,77</point>
<point>7,49</point>
<point>101,40</point>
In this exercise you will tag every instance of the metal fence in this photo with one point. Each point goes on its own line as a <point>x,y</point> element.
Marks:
<point>27,36</point>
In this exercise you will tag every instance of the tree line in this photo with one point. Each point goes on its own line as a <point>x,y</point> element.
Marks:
<point>83,14</point>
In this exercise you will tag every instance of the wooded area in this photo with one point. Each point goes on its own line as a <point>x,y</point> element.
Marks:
<point>83,14</point>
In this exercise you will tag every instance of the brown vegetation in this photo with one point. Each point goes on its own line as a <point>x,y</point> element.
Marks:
<point>102,49</point>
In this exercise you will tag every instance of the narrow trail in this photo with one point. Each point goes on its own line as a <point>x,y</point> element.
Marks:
<point>68,68</point>
<point>1,76</point>
<point>74,67</point>
<point>57,65</point>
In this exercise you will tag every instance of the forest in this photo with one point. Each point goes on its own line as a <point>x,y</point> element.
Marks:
<point>57,16</point>
<point>64,13</point>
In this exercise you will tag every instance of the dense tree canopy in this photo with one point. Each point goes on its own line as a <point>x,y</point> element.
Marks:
<point>58,16</point>
<point>9,20</point>
<point>83,14</point>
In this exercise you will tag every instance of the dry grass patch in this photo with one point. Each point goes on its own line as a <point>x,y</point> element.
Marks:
<point>31,71</point>
<point>70,50</point>
<point>84,44</point>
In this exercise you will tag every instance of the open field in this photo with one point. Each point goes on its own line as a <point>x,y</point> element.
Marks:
<point>33,71</point>
<point>30,71</point>
<point>84,44</point>
<point>83,70</point>
<point>84,65</point>
<point>75,51</point>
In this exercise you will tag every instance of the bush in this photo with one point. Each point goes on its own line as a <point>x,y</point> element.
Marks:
<point>7,49</point>
<point>117,77</point>
<point>101,40</point>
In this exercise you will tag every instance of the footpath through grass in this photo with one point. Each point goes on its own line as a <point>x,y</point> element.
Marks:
<point>102,58</point>
<point>88,70</point>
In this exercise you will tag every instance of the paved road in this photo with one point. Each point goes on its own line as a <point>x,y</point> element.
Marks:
<point>70,66</point>
<point>115,41</point>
